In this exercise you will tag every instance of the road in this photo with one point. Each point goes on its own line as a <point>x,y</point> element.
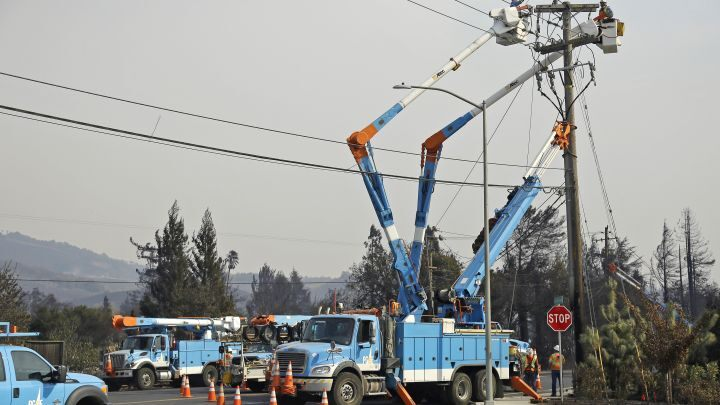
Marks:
<point>171,396</point>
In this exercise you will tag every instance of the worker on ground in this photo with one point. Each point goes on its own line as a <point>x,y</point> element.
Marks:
<point>531,366</point>
<point>556,361</point>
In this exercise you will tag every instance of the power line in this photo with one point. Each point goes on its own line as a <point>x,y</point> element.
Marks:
<point>88,281</point>
<point>236,123</point>
<point>449,16</point>
<point>219,151</point>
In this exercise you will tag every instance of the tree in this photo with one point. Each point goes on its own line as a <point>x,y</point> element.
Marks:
<point>298,297</point>
<point>167,277</point>
<point>445,265</point>
<point>665,264</point>
<point>269,292</point>
<point>214,298</point>
<point>698,260</point>
<point>12,298</point>
<point>373,282</point>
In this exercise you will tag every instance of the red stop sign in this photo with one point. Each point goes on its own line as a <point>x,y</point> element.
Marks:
<point>559,318</point>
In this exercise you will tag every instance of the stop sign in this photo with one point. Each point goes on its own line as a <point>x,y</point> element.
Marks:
<point>559,318</point>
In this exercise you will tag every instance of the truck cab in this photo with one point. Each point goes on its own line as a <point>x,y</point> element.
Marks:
<point>26,378</point>
<point>150,351</point>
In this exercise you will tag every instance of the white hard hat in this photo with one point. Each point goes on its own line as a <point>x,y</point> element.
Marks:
<point>556,348</point>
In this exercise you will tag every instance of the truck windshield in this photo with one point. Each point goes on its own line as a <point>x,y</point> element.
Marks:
<point>339,330</point>
<point>138,343</point>
<point>258,348</point>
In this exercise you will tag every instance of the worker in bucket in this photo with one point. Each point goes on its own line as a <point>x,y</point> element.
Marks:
<point>531,366</point>
<point>556,361</point>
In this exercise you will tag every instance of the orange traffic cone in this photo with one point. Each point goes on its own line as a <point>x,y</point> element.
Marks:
<point>288,387</point>
<point>237,400</point>
<point>324,400</point>
<point>276,376</point>
<point>108,366</point>
<point>183,381</point>
<point>273,398</point>
<point>221,394</point>
<point>538,383</point>
<point>186,393</point>
<point>211,393</point>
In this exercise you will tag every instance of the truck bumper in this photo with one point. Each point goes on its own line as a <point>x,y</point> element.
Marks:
<point>118,374</point>
<point>314,384</point>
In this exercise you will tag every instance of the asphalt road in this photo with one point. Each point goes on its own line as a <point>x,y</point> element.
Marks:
<point>171,396</point>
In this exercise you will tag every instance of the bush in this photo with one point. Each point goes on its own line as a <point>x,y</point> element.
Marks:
<point>591,384</point>
<point>700,384</point>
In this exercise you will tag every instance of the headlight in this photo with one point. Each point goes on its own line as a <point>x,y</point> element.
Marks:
<point>104,389</point>
<point>321,370</point>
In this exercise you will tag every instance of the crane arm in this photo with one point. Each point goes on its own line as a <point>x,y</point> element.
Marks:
<point>510,28</point>
<point>227,324</point>
<point>432,146</point>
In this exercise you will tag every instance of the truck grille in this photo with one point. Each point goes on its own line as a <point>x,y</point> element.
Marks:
<point>118,361</point>
<point>298,362</point>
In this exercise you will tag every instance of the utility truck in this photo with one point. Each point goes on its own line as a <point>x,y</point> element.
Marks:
<point>26,378</point>
<point>405,348</point>
<point>167,349</point>
<point>261,337</point>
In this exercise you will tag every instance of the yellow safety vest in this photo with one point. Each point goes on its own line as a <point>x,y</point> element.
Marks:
<point>556,359</point>
<point>531,363</point>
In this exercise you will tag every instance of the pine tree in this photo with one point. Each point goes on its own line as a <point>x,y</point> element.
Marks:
<point>665,262</point>
<point>298,297</point>
<point>213,297</point>
<point>373,282</point>
<point>268,293</point>
<point>169,282</point>
<point>12,298</point>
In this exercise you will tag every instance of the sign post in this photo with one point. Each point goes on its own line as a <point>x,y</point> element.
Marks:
<point>559,318</point>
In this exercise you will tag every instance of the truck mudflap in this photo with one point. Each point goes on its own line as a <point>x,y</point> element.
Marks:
<point>314,384</point>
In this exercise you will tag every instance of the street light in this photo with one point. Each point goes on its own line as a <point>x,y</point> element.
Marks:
<point>488,321</point>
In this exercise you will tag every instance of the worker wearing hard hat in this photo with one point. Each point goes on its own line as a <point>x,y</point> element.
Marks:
<point>531,367</point>
<point>556,361</point>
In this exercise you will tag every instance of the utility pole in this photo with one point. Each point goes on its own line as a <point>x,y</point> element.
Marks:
<point>682,290</point>
<point>572,196</point>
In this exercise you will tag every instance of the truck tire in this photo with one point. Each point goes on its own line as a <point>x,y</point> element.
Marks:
<point>210,372</point>
<point>347,389</point>
<point>459,392</point>
<point>479,386</point>
<point>145,378</point>
<point>257,386</point>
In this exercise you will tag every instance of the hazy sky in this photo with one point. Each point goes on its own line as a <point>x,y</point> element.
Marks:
<point>326,68</point>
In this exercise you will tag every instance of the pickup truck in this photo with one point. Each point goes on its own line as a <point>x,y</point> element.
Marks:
<point>26,378</point>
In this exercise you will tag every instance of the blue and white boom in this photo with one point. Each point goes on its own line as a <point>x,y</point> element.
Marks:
<point>509,28</point>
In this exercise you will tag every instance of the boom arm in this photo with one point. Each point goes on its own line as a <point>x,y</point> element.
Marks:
<point>433,144</point>
<point>226,324</point>
<point>510,27</point>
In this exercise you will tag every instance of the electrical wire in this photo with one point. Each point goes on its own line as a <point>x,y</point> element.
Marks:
<point>235,123</point>
<point>96,281</point>
<point>216,150</point>
<point>448,16</point>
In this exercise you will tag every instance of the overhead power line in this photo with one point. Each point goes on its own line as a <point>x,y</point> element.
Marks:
<point>87,281</point>
<point>236,123</point>
<point>101,129</point>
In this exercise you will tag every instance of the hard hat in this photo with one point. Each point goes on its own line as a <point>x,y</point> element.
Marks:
<point>556,348</point>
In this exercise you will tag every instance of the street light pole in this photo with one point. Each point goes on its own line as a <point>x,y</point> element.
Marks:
<point>489,379</point>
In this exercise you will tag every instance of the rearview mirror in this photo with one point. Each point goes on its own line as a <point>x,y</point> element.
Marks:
<point>60,375</point>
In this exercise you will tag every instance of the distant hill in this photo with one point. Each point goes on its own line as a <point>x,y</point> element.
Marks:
<point>38,259</point>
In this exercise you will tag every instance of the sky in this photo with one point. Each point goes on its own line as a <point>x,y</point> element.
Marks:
<point>326,68</point>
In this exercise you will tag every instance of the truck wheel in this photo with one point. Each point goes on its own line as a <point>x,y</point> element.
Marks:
<point>479,381</point>
<point>210,372</point>
<point>257,386</point>
<point>145,378</point>
<point>346,390</point>
<point>460,390</point>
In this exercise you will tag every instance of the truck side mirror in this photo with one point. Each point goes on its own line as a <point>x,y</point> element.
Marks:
<point>221,349</point>
<point>372,334</point>
<point>60,375</point>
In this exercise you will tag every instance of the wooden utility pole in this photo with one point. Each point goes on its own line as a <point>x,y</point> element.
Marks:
<point>572,196</point>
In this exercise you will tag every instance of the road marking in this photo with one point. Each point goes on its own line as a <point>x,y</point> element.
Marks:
<point>149,401</point>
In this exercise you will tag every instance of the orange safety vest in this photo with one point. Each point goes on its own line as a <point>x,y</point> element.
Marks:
<point>531,364</point>
<point>556,359</point>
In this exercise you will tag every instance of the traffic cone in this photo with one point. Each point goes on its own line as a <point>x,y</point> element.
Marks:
<point>324,400</point>
<point>221,394</point>
<point>182,385</point>
<point>276,376</point>
<point>237,400</point>
<point>211,393</point>
<point>273,398</point>
<point>186,393</point>
<point>288,387</point>
<point>538,383</point>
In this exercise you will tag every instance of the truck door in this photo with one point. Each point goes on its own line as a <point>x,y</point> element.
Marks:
<point>31,384</point>
<point>368,356</point>
<point>5,388</point>
<point>160,352</point>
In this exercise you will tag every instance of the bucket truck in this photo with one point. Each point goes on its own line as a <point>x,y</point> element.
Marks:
<point>167,349</point>
<point>365,353</point>
<point>27,378</point>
